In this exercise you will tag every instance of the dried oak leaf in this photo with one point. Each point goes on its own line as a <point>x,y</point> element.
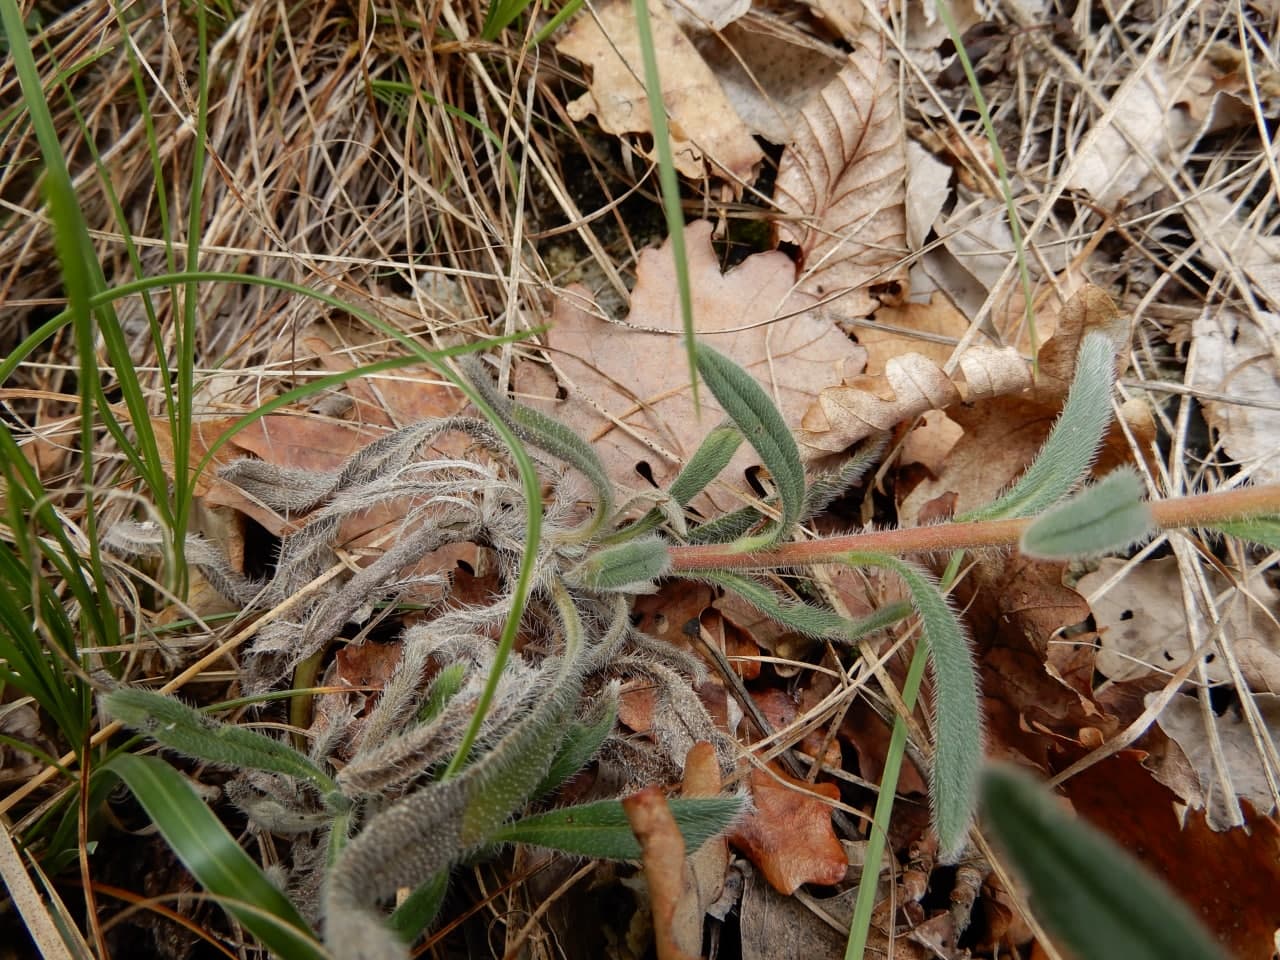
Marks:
<point>1237,355</point>
<point>843,181</point>
<point>769,73</point>
<point>910,385</point>
<point>706,134</point>
<point>1184,722</point>
<point>1228,879</point>
<point>788,835</point>
<point>1142,621</point>
<point>628,384</point>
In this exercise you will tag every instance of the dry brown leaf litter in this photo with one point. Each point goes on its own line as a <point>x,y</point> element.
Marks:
<point>841,184</point>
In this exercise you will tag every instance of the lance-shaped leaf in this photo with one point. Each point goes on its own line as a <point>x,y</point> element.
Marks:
<point>727,528</point>
<point>173,724</point>
<point>443,688</point>
<point>546,434</point>
<point>1072,444</point>
<point>761,423</point>
<point>630,566</point>
<point>1263,530</point>
<point>712,456</point>
<point>1108,516</point>
<point>822,490</point>
<point>581,743</point>
<point>601,829</point>
<point>958,731</point>
<point>214,858</point>
<point>804,618</point>
<point>1095,899</point>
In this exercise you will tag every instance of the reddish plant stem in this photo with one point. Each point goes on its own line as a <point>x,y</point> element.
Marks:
<point>1203,509</point>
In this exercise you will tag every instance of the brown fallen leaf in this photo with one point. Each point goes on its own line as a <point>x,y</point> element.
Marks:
<point>770,72</point>
<point>706,134</point>
<point>1237,355</point>
<point>911,384</point>
<point>788,835</point>
<point>1142,623</point>
<point>895,337</point>
<point>843,180</point>
<point>1246,771</point>
<point>1228,879</point>
<point>628,384</point>
<point>706,867</point>
<point>662,849</point>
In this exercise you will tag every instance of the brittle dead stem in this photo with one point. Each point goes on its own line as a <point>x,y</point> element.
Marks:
<point>1200,510</point>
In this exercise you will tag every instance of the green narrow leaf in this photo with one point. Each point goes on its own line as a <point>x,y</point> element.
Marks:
<point>546,434</point>
<point>625,566</point>
<point>669,184</point>
<point>826,487</point>
<point>446,683</point>
<point>761,423</point>
<point>804,618</point>
<point>958,747</point>
<point>727,528</point>
<point>581,743</point>
<point>205,847</point>
<point>601,830</point>
<point>1263,530</point>
<point>1094,898</point>
<point>1103,518</point>
<point>419,909</point>
<point>1072,444</point>
<point>712,456</point>
<point>179,727</point>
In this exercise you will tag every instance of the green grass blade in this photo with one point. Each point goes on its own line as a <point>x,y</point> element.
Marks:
<point>563,14</point>
<point>670,185</point>
<point>1002,171</point>
<point>1108,516</point>
<point>601,829</point>
<point>203,844</point>
<point>754,413</point>
<point>1094,898</point>
<point>499,16</point>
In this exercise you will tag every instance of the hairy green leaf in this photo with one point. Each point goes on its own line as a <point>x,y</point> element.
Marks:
<point>601,829</point>
<point>1107,516</point>
<point>443,688</point>
<point>712,456</point>
<point>423,834</point>
<point>214,858</point>
<point>957,757</point>
<point>624,566</point>
<point>420,907</point>
<point>826,487</point>
<point>1095,899</point>
<point>1072,444</point>
<point>546,434</point>
<point>581,743</point>
<point>817,622</point>
<point>727,528</point>
<point>1263,530</point>
<point>173,724</point>
<point>761,423</point>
